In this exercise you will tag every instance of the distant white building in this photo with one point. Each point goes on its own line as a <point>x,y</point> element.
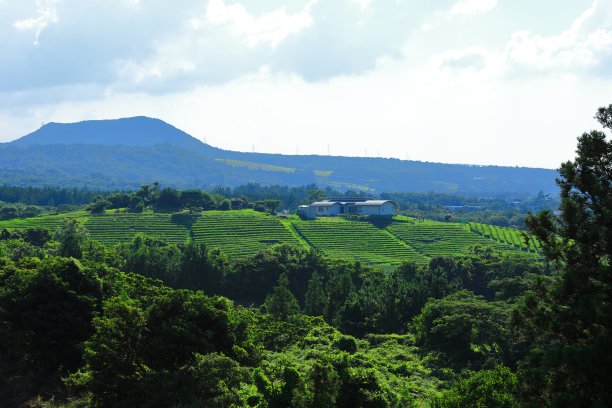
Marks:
<point>348,206</point>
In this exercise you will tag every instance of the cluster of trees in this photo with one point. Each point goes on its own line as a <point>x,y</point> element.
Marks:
<point>46,196</point>
<point>170,199</point>
<point>504,212</point>
<point>11,211</point>
<point>116,326</point>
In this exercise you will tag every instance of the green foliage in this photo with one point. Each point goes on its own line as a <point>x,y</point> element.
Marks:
<point>196,200</point>
<point>355,240</point>
<point>112,354</point>
<point>72,237</point>
<point>512,237</point>
<point>183,322</point>
<point>123,338</point>
<point>315,298</point>
<point>152,258</point>
<point>464,327</point>
<point>98,205</point>
<point>213,380</point>
<point>281,303</point>
<point>325,385</point>
<point>201,269</point>
<point>46,312</point>
<point>169,199</point>
<point>136,204</point>
<point>485,389</point>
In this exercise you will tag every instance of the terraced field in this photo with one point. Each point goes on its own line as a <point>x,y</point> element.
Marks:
<point>51,222</point>
<point>431,238</point>
<point>111,228</point>
<point>114,228</point>
<point>506,236</point>
<point>243,233</point>
<point>240,233</point>
<point>356,240</point>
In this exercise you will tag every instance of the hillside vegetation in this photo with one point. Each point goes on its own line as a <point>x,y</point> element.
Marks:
<point>242,233</point>
<point>125,153</point>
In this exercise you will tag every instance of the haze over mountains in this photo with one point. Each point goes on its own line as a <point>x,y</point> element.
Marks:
<point>125,153</point>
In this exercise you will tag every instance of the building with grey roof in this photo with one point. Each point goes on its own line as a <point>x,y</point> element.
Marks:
<point>350,206</point>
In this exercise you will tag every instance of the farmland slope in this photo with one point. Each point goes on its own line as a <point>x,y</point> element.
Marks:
<point>242,233</point>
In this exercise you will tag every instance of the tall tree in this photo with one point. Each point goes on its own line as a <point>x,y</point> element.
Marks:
<point>72,237</point>
<point>316,298</point>
<point>570,322</point>
<point>281,303</point>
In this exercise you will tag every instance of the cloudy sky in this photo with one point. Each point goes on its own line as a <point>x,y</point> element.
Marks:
<point>509,82</point>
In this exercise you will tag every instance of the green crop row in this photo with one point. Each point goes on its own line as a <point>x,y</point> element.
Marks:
<point>356,241</point>
<point>240,233</point>
<point>518,239</point>
<point>439,239</point>
<point>243,233</point>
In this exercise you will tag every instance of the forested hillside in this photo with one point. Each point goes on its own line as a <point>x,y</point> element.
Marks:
<point>125,153</point>
<point>319,331</point>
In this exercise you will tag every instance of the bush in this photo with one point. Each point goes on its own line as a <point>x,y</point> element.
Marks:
<point>492,388</point>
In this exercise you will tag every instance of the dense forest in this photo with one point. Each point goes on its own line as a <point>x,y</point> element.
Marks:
<point>150,323</point>
<point>78,329</point>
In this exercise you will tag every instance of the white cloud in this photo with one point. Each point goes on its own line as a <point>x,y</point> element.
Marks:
<point>388,75</point>
<point>469,7</point>
<point>581,46</point>
<point>270,28</point>
<point>363,4</point>
<point>584,45</point>
<point>47,14</point>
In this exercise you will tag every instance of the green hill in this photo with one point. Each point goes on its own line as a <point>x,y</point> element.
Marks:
<point>242,233</point>
<point>126,153</point>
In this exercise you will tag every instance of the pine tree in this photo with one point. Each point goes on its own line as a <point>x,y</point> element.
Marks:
<point>281,303</point>
<point>316,299</point>
<point>570,321</point>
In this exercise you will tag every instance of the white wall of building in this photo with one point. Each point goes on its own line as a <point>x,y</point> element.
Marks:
<point>377,209</point>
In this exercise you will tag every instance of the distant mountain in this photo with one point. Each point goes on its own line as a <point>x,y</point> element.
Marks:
<point>124,153</point>
<point>136,131</point>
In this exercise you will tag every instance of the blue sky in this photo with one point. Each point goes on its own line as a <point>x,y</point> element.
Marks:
<point>510,82</point>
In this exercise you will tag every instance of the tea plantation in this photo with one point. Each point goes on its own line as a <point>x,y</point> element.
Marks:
<point>357,240</point>
<point>242,233</point>
<point>509,236</point>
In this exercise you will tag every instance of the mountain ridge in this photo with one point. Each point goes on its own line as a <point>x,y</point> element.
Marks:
<point>124,152</point>
<point>129,131</point>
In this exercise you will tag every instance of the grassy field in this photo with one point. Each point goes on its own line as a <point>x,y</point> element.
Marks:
<point>242,233</point>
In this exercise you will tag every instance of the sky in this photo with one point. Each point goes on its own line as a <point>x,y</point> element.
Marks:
<point>504,82</point>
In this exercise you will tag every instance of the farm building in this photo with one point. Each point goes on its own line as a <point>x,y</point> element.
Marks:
<point>348,206</point>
